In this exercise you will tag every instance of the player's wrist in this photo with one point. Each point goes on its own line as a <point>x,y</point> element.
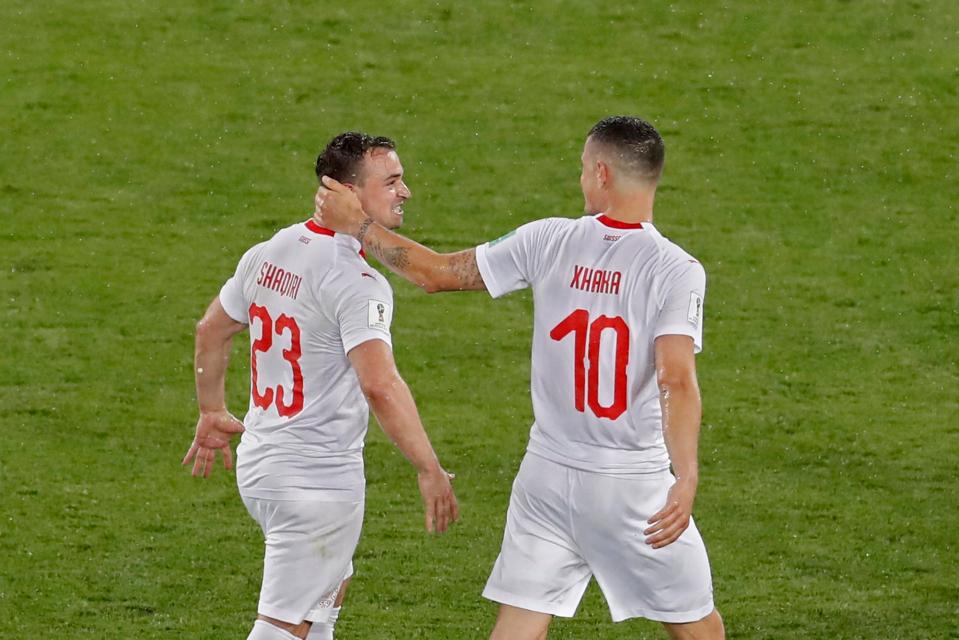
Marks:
<point>212,410</point>
<point>690,477</point>
<point>430,468</point>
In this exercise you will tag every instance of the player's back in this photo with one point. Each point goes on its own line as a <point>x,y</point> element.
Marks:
<point>603,291</point>
<point>309,297</point>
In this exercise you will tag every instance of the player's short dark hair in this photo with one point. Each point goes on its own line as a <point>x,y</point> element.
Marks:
<point>636,143</point>
<point>342,156</point>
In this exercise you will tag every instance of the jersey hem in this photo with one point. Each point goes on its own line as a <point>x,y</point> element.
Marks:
<point>482,263</point>
<point>366,337</point>
<point>677,330</point>
<point>584,466</point>
<point>241,318</point>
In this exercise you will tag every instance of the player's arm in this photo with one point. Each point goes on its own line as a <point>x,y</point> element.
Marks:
<point>216,425</point>
<point>394,408</point>
<point>682,412</point>
<point>339,209</point>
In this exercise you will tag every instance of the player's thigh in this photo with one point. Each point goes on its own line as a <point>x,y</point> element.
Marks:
<point>539,567</point>
<point>309,548</point>
<point>670,584</point>
<point>709,628</point>
<point>513,623</point>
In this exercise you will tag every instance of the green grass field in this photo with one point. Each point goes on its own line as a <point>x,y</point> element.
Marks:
<point>811,165</point>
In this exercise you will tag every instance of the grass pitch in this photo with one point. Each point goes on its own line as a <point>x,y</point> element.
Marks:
<point>811,167</point>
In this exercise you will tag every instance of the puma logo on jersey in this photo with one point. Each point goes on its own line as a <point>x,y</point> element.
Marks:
<point>285,283</point>
<point>596,280</point>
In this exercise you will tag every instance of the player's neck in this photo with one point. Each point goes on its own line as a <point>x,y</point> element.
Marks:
<point>631,206</point>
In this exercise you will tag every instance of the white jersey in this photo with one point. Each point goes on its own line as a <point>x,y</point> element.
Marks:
<point>309,298</point>
<point>603,291</point>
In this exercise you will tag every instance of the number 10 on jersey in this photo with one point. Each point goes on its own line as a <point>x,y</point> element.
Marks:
<point>587,339</point>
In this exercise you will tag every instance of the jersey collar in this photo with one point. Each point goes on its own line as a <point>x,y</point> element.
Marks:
<point>617,224</point>
<point>312,225</point>
<point>315,228</point>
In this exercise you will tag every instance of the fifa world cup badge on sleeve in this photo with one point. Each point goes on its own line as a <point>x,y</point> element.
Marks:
<point>381,314</point>
<point>695,308</point>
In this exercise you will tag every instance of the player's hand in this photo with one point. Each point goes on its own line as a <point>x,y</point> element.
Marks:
<point>213,431</point>
<point>338,208</point>
<point>438,499</point>
<point>667,524</point>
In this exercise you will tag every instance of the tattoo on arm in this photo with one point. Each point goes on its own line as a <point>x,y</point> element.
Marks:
<point>363,229</point>
<point>397,257</point>
<point>464,268</point>
<point>454,272</point>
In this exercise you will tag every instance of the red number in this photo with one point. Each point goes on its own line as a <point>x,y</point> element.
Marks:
<point>263,343</point>
<point>599,325</point>
<point>291,355</point>
<point>578,323</point>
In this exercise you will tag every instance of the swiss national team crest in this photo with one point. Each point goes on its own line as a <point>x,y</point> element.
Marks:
<point>695,313</point>
<point>381,314</point>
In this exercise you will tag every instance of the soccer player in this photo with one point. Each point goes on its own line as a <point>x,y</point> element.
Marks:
<point>617,321</point>
<point>320,358</point>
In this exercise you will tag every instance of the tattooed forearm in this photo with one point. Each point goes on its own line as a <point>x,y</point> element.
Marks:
<point>463,266</point>
<point>420,265</point>
<point>396,257</point>
<point>363,229</point>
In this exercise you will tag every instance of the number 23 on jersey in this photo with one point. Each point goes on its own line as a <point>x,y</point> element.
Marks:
<point>264,343</point>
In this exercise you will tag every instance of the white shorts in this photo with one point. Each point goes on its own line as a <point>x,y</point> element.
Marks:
<point>565,525</point>
<point>309,552</point>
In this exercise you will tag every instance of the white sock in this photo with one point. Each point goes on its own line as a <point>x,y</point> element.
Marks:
<point>324,619</point>
<point>263,630</point>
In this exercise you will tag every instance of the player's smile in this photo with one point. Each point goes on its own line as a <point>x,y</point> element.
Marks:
<point>382,191</point>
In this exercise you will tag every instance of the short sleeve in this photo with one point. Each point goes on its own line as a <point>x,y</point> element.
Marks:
<point>511,262</point>
<point>233,296</point>
<point>684,292</point>
<point>365,312</point>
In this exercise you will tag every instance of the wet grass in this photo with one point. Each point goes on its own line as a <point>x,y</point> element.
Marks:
<point>811,166</point>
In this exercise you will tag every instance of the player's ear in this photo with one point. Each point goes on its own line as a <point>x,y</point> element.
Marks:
<point>602,173</point>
